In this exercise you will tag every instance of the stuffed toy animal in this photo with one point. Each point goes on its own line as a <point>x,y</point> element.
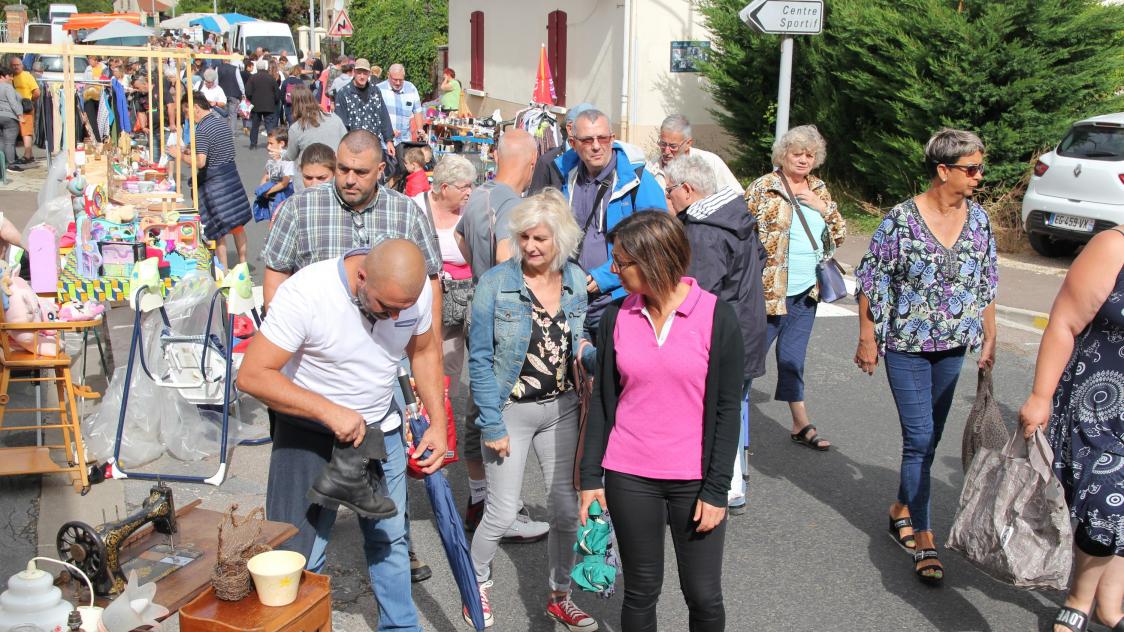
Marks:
<point>72,311</point>
<point>23,307</point>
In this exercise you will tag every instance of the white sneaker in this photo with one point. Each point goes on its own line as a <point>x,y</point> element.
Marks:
<point>524,530</point>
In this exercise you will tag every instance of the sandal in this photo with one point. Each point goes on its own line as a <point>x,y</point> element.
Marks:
<point>905,541</point>
<point>931,574</point>
<point>808,440</point>
<point>1072,619</point>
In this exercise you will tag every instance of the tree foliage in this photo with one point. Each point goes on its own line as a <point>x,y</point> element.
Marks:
<point>886,74</point>
<point>407,32</point>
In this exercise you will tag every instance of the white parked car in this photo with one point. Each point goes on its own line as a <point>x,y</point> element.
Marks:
<point>1077,189</point>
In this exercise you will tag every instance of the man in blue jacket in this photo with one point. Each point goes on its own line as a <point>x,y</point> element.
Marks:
<point>604,183</point>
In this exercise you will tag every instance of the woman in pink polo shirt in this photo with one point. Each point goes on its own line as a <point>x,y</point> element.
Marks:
<point>664,422</point>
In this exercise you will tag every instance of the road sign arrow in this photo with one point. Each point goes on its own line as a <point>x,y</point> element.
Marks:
<point>791,17</point>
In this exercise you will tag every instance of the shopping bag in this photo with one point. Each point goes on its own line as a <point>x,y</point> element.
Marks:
<point>244,108</point>
<point>1013,523</point>
<point>985,428</point>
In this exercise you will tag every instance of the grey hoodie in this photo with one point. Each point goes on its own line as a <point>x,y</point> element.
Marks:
<point>727,259</point>
<point>10,104</point>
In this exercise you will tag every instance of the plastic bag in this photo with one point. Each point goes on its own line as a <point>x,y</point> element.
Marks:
<point>244,108</point>
<point>140,442</point>
<point>985,427</point>
<point>1013,523</point>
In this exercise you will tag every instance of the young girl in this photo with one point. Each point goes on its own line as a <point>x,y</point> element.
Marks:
<point>318,165</point>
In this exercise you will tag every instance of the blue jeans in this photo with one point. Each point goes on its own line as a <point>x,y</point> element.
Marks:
<point>736,495</point>
<point>792,331</point>
<point>923,385</point>
<point>385,545</point>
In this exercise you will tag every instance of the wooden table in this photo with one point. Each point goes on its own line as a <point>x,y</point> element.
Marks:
<point>198,529</point>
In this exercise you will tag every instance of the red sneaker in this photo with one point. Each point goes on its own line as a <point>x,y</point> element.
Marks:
<point>567,613</point>
<point>489,620</point>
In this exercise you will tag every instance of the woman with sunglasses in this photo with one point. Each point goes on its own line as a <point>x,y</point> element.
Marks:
<point>778,200</point>
<point>926,292</point>
<point>663,422</point>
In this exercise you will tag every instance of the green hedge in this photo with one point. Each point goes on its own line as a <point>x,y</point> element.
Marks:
<point>406,32</point>
<point>885,74</point>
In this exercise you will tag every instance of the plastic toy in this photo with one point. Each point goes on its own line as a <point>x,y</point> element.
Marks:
<point>44,258</point>
<point>87,257</point>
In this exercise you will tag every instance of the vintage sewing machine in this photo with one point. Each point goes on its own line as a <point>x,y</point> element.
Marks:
<point>97,551</point>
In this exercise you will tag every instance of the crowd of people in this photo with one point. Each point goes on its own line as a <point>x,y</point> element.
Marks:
<point>662,280</point>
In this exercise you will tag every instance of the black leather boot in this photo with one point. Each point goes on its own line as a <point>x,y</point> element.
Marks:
<point>347,481</point>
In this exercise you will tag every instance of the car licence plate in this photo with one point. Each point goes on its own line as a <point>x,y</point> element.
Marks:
<point>1070,222</point>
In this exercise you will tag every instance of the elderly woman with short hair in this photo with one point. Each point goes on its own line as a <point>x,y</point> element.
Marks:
<point>528,316</point>
<point>926,291</point>
<point>443,204</point>
<point>779,200</point>
<point>214,92</point>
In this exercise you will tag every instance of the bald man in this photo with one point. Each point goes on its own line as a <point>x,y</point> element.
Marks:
<point>326,361</point>
<point>485,240</point>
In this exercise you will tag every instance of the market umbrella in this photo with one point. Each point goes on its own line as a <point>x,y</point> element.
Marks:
<point>180,22</point>
<point>449,523</point>
<point>220,23</point>
<point>118,29</point>
<point>595,573</point>
<point>544,82</point>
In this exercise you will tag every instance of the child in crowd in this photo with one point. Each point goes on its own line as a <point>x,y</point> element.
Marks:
<point>318,165</point>
<point>279,172</point>
<point>417,180</point>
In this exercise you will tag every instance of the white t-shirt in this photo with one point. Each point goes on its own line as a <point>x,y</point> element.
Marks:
<point>214,94</point>
<point>336,351</point>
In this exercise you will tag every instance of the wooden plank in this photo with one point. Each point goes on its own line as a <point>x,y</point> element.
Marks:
<point>27,460</point>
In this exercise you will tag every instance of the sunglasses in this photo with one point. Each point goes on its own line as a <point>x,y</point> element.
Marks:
<point>969,170</point>
<point>588,140</point>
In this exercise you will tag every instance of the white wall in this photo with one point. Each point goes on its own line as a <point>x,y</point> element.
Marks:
<point>513,35</point>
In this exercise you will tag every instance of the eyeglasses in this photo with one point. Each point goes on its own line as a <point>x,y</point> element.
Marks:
<point>671,146</point>
<point>588,140</point>
<point>668,190</point>
<point>462,187</point>
<point>360,228</point>
<point>622,266</point>
<point>969,170</point>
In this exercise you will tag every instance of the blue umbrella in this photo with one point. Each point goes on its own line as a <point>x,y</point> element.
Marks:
<point>449,522</point>
<point>220,23</point>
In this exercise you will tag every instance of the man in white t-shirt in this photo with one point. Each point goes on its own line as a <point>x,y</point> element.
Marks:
<point>326,361</point>
<point>676,140</point>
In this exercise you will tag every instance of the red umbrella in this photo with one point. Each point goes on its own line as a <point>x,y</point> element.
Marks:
<point>544,83</point>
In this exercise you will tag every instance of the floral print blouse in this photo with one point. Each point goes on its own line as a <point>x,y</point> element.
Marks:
<point>923,296</point>
<point>546,369</point>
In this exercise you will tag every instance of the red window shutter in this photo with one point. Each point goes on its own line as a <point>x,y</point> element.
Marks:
<point>556,51</point>
<point>476,76</point>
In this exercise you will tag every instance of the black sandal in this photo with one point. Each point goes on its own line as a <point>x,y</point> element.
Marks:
<point>1073,619</point>
<point>907,542</point>
<point>815,442</point>
<point>925,573</point>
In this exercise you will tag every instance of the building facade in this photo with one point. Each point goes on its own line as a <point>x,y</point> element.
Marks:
<point>634,59</point>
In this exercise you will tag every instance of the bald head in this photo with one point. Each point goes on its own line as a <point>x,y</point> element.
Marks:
<point>396,263</point>
<point>516,155</point>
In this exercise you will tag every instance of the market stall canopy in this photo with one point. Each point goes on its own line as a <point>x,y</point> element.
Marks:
<point>151,7</point>
<point>119,29</point>
<point>221,23</point>
<point>181,22</point>
<point>80,21</point>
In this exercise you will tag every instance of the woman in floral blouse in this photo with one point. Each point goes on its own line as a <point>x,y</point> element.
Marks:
<point>528,315</point>
<point>926,292</point>
<point>789,276</point>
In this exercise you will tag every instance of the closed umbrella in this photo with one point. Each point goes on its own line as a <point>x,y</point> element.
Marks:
<point>119,29</point>
<point>597,570</point>
<point>449,523</point>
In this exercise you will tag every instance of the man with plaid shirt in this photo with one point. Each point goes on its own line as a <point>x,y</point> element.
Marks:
<point>402,102</point>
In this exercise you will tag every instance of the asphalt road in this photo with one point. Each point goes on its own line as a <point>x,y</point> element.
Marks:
<point>811,553</point>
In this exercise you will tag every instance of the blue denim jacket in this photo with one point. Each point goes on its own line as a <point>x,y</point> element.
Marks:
<point>500,333</point>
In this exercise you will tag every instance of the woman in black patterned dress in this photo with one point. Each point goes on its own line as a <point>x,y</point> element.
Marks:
<point>1079,392</point>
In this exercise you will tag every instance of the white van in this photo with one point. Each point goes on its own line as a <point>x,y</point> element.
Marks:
<point>58,14</point>
<point>272,36</point>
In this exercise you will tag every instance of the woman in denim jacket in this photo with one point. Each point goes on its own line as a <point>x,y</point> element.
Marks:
<point>528,315</point>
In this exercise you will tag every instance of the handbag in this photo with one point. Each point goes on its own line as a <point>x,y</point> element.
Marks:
<point>984,428</point>
<point>829,274</point>
<point>456,298</point>
<point>1013,523</point>
<point>28,106</point>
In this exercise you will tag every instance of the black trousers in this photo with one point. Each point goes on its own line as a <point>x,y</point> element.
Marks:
<point>642,509</point>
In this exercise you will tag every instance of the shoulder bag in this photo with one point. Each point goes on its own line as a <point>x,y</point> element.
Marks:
<point>456,294</point>
<point>829,274</point>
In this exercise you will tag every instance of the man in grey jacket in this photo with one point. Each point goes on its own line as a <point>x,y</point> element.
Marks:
<point>727,259</point>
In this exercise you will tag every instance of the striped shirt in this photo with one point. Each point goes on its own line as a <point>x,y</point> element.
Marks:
<point>213,139</point>
<point>402,106</point>
<point>314,225</point>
